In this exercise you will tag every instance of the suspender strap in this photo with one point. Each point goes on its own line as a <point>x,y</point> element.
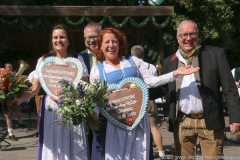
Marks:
<point>100,68</point>
<point>130,60</point>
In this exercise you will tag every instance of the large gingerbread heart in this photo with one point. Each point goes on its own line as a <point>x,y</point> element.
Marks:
<point>52,69</point>
<point>127,102</point>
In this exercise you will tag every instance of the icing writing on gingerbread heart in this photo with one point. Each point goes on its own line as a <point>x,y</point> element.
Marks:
<point>127,103</point>
<point>52,69</point>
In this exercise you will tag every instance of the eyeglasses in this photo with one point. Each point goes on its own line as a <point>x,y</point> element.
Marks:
<point>185,35</point>
<point>91,38</point>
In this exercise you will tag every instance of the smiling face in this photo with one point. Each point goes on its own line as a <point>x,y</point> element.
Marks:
<point>110,47</point>
<point>90,37</point>
<point>189,42</point>
<point>60,41</point>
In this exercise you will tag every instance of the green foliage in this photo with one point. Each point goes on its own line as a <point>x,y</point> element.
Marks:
<point>217,20</point>
<point>77,102</point>
<point>12,86</point>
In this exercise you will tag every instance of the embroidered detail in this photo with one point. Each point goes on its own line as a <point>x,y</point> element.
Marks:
<point>173,57</point>
<point>190,56</point>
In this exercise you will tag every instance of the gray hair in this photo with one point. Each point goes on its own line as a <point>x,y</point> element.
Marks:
<point>184,22</point>
<point>94,25</point>
<point>137,51</point>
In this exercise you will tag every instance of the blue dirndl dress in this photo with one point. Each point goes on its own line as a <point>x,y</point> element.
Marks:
<point>114,143</point>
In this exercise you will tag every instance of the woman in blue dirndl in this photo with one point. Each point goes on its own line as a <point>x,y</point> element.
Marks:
<point>112,142</point>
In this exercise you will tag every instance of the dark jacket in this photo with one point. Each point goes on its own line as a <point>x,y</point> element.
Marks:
<point>214,73</point>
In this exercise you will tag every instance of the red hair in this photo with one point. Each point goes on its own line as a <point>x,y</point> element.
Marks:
<point>122,43</point>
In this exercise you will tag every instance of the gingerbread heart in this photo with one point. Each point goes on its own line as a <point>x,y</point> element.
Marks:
<point>52,69</point>
<point>127,103</point>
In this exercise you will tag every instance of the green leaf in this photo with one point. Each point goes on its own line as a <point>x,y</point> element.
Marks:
<point>2,96</point>
<point>22,86</point>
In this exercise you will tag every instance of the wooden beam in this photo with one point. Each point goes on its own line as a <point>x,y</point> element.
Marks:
<point>86,10</point>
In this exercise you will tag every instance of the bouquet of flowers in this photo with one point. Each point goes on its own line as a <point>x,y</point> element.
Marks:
<point>78,100</point>
<point>12,86</point>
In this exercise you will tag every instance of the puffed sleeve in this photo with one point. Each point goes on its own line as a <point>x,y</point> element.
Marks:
<point>94,75</point>
<point>38,62</point>
<point>85,71</point>
<point>149,79</point>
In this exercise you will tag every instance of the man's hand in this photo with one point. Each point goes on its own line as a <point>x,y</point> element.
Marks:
<point>234,127</point>
<point>237,83</point>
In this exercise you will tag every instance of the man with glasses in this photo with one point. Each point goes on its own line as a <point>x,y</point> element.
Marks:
<point>196,105</point>
<point>8,67</point>
<point>91,32</point>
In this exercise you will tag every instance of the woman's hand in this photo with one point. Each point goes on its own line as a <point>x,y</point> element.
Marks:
<point>185,71</point>
<point>55,99</point>
<point>11,102</point>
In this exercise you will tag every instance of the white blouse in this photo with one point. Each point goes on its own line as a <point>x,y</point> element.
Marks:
<point>145,74</point>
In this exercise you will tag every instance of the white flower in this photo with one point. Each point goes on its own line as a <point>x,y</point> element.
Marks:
<point>78,102</point>
<point>75,83</point>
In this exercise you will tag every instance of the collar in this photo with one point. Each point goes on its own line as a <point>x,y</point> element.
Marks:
<point>188,57</point>
<point>191,54</point>
<point>89,52</point>
<point>180,57</point>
